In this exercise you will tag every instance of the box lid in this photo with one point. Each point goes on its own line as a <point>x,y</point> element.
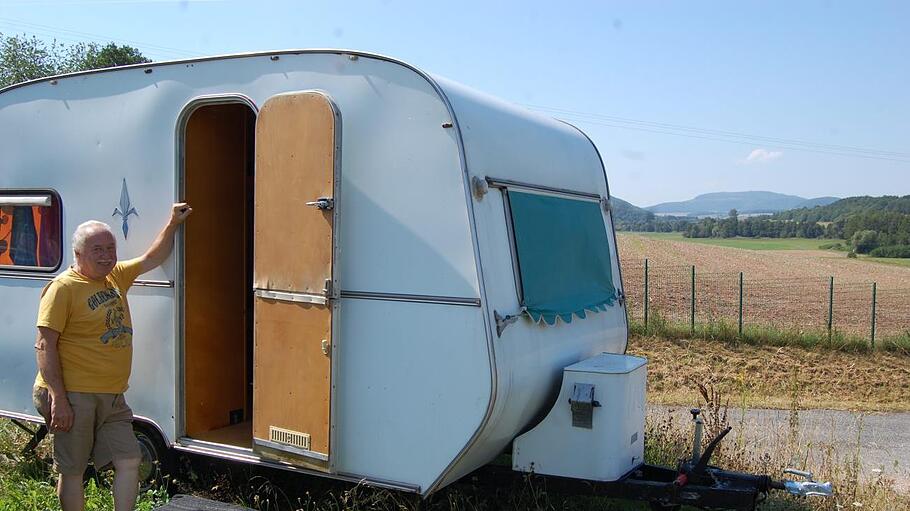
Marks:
<point>608,363</point>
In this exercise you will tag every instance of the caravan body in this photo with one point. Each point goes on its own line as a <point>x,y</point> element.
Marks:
<point>347,297</point>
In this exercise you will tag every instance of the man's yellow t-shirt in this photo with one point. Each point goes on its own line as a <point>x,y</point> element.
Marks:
<point>96,332</point>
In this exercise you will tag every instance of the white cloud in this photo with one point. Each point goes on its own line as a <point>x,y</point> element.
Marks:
<point>762,155</point>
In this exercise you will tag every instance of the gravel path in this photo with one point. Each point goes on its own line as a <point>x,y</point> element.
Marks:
<point>883,439</point>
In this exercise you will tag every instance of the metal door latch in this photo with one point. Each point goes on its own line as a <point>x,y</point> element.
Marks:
<point>323,203</point>
<point>583,404</point>
<point>325,347</point>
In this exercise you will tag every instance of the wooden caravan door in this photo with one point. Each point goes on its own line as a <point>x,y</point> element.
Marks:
<point>293,277</point>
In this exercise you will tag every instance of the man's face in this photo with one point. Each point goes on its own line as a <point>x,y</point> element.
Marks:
<point>98,256</point>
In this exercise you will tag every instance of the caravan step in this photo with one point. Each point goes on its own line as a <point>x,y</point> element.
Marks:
<point>190,503</point>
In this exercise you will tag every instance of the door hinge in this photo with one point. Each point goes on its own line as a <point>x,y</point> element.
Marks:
<point>323,203</point>
<point>328,289</point>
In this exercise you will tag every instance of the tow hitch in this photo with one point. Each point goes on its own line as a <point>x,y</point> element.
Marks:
<point>695,482</point>
<point>592,443</point>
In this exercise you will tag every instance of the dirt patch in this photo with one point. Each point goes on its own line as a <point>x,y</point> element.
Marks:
<point>786,289</point>
<point>772,377</point>
<point>761,264</point>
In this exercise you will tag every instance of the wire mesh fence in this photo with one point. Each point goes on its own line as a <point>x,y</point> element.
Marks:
<point>684,295</point>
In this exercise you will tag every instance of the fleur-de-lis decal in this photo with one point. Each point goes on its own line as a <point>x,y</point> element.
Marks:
<point>125,209</point>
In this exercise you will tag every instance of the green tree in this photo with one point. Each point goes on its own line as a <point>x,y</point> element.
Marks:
<point>864,241</point>
<point>24,58</point>
<point>109,55</point>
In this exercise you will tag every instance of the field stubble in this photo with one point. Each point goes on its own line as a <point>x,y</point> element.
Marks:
<point>783,289</point>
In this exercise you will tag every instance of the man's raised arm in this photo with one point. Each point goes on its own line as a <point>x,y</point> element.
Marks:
<point>161,248</point>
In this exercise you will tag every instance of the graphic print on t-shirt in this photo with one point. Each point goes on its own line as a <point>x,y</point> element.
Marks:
<point>116,334</point>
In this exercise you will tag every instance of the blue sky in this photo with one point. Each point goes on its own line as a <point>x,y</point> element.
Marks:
<point>808,98</point>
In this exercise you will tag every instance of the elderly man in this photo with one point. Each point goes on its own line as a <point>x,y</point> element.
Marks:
<point>84,351</point>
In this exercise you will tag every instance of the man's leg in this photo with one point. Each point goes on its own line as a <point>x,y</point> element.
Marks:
<point>71,448</point>
<point>126,483</point>
<point>115,443</point>
<point>70,493</point>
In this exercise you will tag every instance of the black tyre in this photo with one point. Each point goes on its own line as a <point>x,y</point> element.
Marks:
<point>157,459</point>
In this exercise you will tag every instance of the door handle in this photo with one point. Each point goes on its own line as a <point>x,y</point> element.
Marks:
<point>323,203</point>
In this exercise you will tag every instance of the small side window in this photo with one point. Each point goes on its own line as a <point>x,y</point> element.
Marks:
<point>30,230</point>
<point>563,255</point>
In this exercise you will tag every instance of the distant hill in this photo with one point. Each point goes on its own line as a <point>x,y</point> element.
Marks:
<point>628,217</point>
<point>626,212</point>
<point>820,201</point>
<point>843,209</point>
<point>720,203</point>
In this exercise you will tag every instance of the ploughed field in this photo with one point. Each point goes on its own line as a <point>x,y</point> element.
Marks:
<point>785,285</point>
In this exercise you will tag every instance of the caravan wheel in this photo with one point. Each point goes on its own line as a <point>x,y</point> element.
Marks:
<point>157,459</point>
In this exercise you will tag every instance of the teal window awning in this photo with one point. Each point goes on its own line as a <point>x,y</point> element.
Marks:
<point>563,256</point>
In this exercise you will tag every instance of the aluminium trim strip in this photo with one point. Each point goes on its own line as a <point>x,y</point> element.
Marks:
<point>287,296</point>
<point>399,297</point>
<point>22,417</point>
<point>246,455</point>
<point>48,278</point>
<point>25,276</point>
<point>291,449</point>
<point>26,200</point>
<point>508,183</point>
<point>154,283</point>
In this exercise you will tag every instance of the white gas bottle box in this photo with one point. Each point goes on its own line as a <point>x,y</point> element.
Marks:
<point>595,430</point>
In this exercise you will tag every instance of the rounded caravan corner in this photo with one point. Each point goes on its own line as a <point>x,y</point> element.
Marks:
<point>481,283</point>
<point>612,223</point>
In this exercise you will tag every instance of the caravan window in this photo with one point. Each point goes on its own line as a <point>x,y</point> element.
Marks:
<point>563,255</point>
<point>30,230</point>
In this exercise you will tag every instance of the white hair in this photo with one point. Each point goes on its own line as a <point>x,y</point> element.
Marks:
<point>87,229</point>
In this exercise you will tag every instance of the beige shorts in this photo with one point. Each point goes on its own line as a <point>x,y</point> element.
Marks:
<point>102,431</point>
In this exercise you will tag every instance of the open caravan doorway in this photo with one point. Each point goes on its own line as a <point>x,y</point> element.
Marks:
<point>217,355</point>
<point>259,286</point>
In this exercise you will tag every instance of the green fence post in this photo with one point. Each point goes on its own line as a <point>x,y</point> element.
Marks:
<point>646,293</point>
<point>873,314</point>
<point>692,311</point>
<point>740,304</point>
<point>830,307</point>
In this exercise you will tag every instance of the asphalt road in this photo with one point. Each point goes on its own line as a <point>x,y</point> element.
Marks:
<point>881,440</point>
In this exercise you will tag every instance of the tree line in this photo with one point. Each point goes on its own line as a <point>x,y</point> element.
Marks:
<point>879,226</point>
<point>24,58</point>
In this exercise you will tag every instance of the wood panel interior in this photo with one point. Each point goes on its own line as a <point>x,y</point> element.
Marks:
<point>218,184</point>
<point>292,372</point>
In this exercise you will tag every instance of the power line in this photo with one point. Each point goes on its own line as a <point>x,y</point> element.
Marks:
<point>722,135</point>
<point>741,142</point>
<point>68,34</point>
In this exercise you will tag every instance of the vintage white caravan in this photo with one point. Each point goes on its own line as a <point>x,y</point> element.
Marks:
<point>383,278</point>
